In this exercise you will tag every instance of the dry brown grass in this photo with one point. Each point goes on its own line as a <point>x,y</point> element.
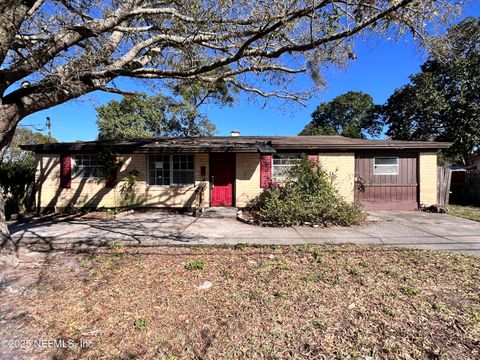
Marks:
<point>289,302</point>
<point>467,212</point>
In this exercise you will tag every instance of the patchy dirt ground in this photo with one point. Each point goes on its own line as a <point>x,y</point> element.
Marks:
<point>331,301</point>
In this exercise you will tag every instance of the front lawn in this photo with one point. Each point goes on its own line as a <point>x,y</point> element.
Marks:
<point>284,302</point>
<point>467,212</point>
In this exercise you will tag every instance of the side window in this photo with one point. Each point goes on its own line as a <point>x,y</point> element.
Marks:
<point>282,163</point>
<point>385,166</point>
<point>159,169</point>
<point>87,166</point>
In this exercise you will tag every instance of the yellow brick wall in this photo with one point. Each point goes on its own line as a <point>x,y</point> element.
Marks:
<point>93,193</point>
<point>84,192</point>
<point>428,178</point>
<point>247,183</point>
<point>342,165</point>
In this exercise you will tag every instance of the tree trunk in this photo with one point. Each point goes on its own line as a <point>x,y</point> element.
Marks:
<point>8,248</point>
<point>9,118</point>
<point>6,242</point>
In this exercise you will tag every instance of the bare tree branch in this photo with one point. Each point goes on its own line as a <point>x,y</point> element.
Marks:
<point>116,91</point>
<point>280,94</point>
<point>86,44</point>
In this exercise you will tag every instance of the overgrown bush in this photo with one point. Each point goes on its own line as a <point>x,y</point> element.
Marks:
<point>307,195</point>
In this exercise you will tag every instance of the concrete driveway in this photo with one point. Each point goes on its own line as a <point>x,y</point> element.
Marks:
<point>390,228</point>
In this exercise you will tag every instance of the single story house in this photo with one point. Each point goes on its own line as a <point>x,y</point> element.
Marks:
<point>192,172</point>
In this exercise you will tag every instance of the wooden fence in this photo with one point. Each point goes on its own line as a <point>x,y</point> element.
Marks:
<point>444,178</point>
<point>472,187</point>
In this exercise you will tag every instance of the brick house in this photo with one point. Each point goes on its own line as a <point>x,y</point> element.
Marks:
<point>231,171</point>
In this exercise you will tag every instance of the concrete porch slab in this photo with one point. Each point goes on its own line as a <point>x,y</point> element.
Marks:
<point>219,212</point>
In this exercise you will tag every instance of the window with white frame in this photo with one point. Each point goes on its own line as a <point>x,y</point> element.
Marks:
<point>87,166</point>
<point>175,169</point>
<point>385,166</point>
<point>282,163</point>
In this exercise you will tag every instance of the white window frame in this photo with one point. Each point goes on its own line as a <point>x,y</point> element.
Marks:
<point>377,167</point>
<point>80,174</point>
<point>297,160</point>
<point>171,171</point>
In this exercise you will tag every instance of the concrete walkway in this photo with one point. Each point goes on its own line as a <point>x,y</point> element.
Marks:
<point>390,228</point>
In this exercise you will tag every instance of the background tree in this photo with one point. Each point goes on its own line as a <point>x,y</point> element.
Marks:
<point>137,116</point>
<point>132,117</point>
<point>352,114</point>
<point>442,102</point>
<point>52,51</point>
<point>17,172</point>
<point>14,154</point>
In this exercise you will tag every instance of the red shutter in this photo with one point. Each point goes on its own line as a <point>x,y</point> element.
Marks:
<point>313,156</point>
<point>265,170</point>
<point>66,171</point>
<point>111,179</point>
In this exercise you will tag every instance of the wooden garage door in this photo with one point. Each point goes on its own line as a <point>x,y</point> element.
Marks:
<point>386,192</point>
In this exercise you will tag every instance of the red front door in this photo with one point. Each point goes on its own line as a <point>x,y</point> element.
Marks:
<point>222,176</point>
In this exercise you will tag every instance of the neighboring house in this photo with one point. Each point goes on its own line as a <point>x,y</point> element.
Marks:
<point>231,171</point>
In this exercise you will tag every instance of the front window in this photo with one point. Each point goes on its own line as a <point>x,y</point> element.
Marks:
<point>171,169</point>
<point>385,166</point>
<point>87,166</point>
<point>282,163</point>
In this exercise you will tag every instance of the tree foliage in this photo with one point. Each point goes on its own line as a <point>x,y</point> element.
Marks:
<point>24,136</point>
<point>352,114</point>
<point>137,116</point>
<point>442,102</point>
<point>60,50</point>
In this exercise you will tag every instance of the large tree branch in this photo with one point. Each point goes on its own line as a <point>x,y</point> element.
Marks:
<point>174,40</point>
<point>62,41</point>
<point>12,15</point>
<point>117,69</point>
<point>152,73</point>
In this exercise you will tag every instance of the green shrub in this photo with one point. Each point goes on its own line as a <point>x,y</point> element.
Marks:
<point>279,293</point>
<point>140,323</point>
<point>115,246</point>
<point>195,265</point>
<point>410,291</point>
<point>316,277</point>
<point>306,196</point>
<point>113,211</point>
<point>318,256</point>
<point>281,266</point>
<point>355,272</point>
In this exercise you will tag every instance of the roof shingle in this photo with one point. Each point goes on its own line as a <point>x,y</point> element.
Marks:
<point>236,144</point>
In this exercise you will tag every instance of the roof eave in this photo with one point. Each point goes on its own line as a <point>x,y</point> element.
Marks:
<point>262,148</point>
<point>433,146</point>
